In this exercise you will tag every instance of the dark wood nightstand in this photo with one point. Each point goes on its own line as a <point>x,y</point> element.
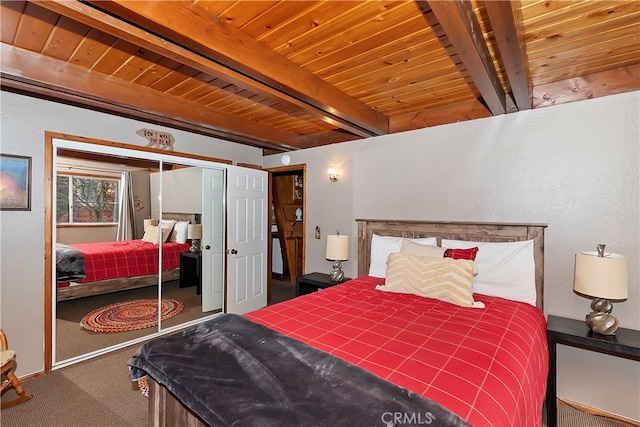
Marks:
<point>576,333</point>
<point>314,281</point>
<point>191,270</point>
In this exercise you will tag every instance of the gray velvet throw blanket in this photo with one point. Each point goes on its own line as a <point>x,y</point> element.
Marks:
<point>232,371</point>
<point>70,264</point>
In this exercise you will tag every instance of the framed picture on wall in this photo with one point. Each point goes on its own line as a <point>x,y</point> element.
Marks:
<point>15,183</point>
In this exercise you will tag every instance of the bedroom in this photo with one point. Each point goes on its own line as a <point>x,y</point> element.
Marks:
<point>551,176</point>
<point>573,166</point>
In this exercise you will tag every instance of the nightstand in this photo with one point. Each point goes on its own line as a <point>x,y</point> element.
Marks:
<point>313,282</point>
<point>191,270</point>
<point>576,333</point>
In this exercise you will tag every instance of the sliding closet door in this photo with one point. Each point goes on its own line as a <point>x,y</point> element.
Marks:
<point>93,306</point>
<point>107,312</point>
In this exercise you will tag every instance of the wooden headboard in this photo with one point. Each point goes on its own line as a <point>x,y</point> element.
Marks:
<point>192,218</point>
<point>473,231</point>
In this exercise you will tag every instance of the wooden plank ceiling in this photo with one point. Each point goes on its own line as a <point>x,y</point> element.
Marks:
<point>286,75</point>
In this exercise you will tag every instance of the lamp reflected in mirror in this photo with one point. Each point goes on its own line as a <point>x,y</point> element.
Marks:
<point>194,233</point>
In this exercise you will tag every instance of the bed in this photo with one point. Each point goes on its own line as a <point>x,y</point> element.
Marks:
<point>487,366</point>
<point>88,269</point>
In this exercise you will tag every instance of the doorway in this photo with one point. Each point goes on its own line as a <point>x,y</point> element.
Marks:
<point>288,219</point>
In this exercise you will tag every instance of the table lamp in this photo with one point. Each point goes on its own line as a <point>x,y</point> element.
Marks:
<point>337,251</point>
<point>194,232</point>
<point>603,276</point>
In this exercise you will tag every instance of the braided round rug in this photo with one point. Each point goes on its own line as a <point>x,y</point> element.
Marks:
<point>130,315</point>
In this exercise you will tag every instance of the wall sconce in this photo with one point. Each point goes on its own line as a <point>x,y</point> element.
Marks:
<point>333,174</point>
<point>194,232</point>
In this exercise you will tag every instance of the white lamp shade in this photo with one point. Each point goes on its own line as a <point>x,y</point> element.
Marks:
<point>337,247</point>
<point>194,231</point>
<point>601,277</point>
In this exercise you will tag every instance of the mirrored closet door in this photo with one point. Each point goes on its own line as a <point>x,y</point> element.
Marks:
<point>151,210</point>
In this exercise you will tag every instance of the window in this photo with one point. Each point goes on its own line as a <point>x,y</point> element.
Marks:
<point>87,199</point>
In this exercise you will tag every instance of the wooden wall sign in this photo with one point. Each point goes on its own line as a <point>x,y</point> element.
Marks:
<point>157,139</point>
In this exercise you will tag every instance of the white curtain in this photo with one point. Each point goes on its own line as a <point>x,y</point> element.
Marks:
<point>127,224</point>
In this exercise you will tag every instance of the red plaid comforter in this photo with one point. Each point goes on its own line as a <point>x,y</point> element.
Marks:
<point>108,260</point>
<point>487,365</point>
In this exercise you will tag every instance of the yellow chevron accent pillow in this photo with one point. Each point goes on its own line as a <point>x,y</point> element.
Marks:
<point>152,234</point>
<point>445,279</point>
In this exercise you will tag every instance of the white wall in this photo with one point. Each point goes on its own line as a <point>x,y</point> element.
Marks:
<point>181,191</point>
<point>573,166</point>
<point>24,121</point>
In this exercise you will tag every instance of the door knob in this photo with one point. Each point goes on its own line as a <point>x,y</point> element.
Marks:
<point>207,247</point>
<point>233,251</point>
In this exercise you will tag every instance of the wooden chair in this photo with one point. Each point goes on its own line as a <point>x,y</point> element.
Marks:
<point>9,379</point>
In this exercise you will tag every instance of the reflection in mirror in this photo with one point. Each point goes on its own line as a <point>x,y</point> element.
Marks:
<point>181,214</point>
<point>101,203</point>
<point>106,202</point>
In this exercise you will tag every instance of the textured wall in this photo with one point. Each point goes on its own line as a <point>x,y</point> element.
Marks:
<point>573,166</point>
<point>24,121</point>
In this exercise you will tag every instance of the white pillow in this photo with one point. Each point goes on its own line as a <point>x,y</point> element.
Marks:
<point>167,228</point>
<point>505,269</point>
<point>167,223</point>
<point>179,233</point>
<point>382,246</point>
<point>430,251</point>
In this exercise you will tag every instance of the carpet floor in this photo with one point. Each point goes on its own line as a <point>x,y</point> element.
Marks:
<point>95,392</point>
<point>73,340</point>
<point>98,393</point>
<point>568,416</point>
<point>281,291</point>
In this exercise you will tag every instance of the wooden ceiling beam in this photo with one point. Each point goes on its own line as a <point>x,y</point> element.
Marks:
<point>105,158</point>
<point>620,80</point>
<point>326,138</point>
<point>461,27</point>
<point>508,30</point>
<point>34,69</point>
<point>99,20</point>
<point>31,89</point>
<point>459,112</point>
<point>194,28</point>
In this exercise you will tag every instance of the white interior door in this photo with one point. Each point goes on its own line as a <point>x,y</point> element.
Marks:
<point>247,232</point>
<point>212,243</point>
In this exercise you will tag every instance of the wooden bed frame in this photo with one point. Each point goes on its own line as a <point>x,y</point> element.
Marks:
<point>166,410</point>
<point>472,231</point>
<point>114,285</point>
<point>125,283</point>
